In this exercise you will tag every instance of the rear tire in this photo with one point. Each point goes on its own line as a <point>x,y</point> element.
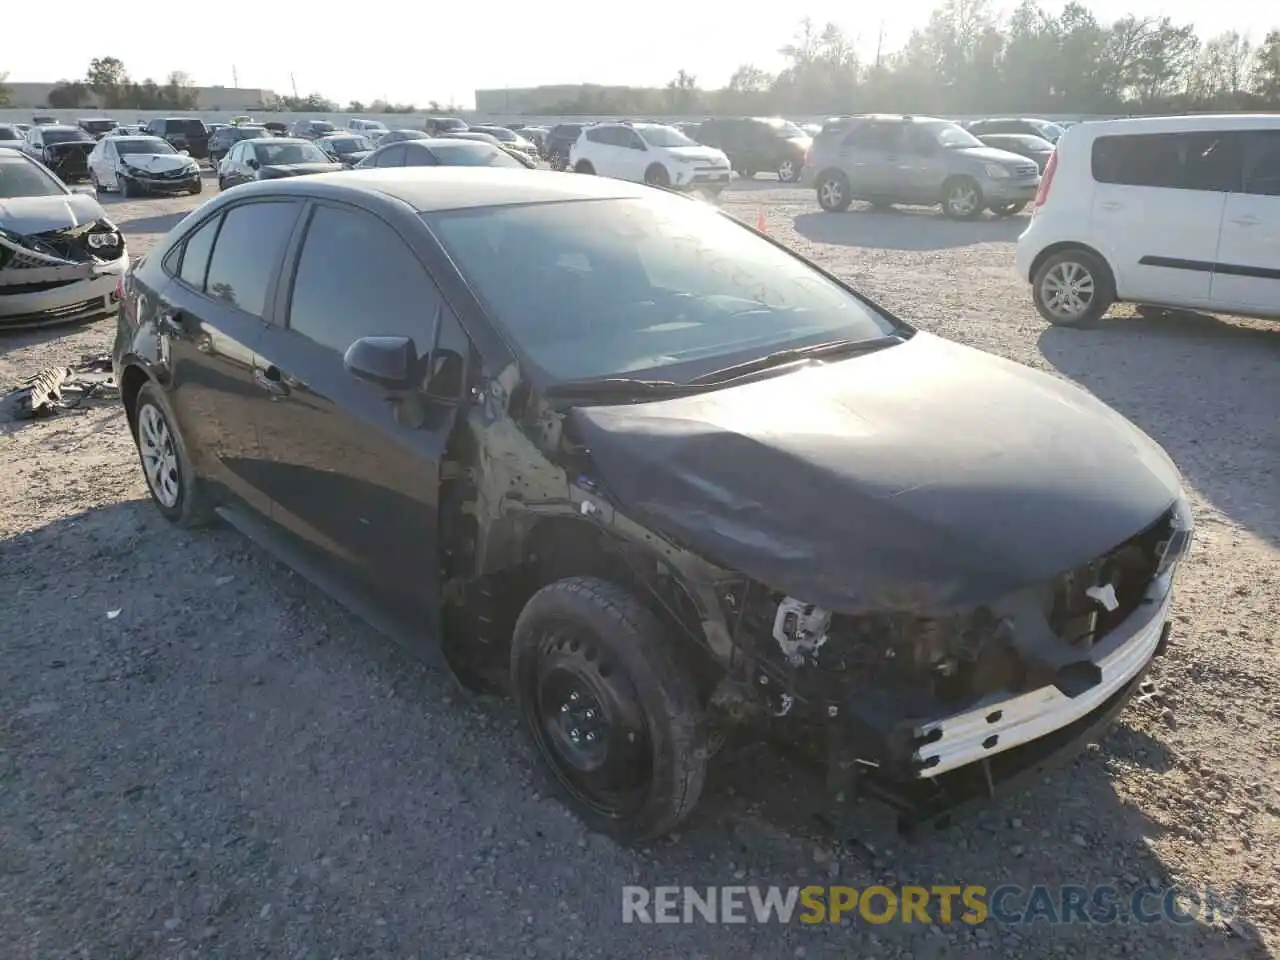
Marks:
<point>171,480</point>
<point>1073,288</point>
<point>1008,209</point>
<point>788,171</point>
<point>833,192</point>
<point>614,718</point>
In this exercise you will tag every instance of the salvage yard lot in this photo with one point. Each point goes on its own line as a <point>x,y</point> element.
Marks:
<point>231,766</point>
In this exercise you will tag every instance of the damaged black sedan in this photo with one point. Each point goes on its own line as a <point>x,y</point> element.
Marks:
<point>659,477</point>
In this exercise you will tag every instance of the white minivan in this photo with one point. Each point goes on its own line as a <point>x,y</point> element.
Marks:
<point>1175,212</point>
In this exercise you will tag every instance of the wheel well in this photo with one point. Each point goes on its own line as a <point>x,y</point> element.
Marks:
<point>561,547</point>
<point>582,166</point>
<point>656,165</point>
<point>130,383</point>
<point>1055,248</point>
<point>829,172</point>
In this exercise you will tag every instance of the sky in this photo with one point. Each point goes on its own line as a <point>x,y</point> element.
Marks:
<point>385,49</point>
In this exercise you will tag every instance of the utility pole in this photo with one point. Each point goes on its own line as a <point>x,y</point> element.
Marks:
<point>235,77</point>
<point>879,44</point>
<point>293,83</point>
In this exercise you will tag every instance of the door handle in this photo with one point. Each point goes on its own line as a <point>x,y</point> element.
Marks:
<point>1111,205</point>
<point>171,321</point>
<point>271,381</point>
<point>1249,220</point>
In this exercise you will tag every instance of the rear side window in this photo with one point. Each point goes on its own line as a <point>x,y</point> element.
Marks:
<point>247,254</point>
<point>1262,163</point>
<point>357,278</point>
<point>1208,161</point>
<point>875,136</point>
<point>195,256</point>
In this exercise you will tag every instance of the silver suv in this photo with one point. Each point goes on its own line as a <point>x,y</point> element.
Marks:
<point>918,160</point>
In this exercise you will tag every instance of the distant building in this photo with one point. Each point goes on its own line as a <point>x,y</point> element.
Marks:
<point>532,100</point>
<point>36,95</point>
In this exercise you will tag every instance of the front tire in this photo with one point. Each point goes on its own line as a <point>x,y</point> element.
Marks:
<point>962,198</point>
<point>172,482</point>
<point>1073,288</point>
<point>1008,209</point>
<point>833,192</point>
<point>615,719</point>
<point>657,176</point>
<point>199,187</point>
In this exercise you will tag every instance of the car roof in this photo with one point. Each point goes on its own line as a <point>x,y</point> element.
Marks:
<point>59,126</point>
<point>275,140</point>
<point>1203,121</point>
<point>433,189</point>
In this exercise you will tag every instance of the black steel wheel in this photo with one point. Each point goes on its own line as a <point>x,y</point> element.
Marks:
<point>614,718</point>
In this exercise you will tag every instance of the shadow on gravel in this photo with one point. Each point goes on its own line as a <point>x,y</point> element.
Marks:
<point>162,223</point>
<point>195,712</point>
<point>1204,388</point>
<point>19,339</point>
<point>909,229</point>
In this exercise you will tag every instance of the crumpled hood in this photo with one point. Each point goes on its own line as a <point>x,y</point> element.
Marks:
<point>299,169</point>
<point>25,215</point>
<point>993,155</point>
<point>698,153</point>
<point>925,476</point>
<point>157,162</point>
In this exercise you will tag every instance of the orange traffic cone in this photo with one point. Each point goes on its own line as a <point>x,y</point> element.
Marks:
<point>760,224</point>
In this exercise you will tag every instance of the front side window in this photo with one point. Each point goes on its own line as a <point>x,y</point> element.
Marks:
<point>143,145</point>
<point>611,287</point>
<point>1207,161</point>
<point>357,278</point>
<point>248,252</point>
<point>1262,163</point>
<point>657,136</point>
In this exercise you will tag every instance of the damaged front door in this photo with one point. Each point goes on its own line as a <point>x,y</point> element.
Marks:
<point>351,470</point>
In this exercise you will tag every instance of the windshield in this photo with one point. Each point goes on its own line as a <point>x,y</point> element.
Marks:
<point>951,136</point>
<point>664,137</point>
<point>603,288</point>
<point>461,153</point>
<point>142,145</point>
<point>66,136</point>
<point>785,128</point>
<point>302,151</point>
<point>20,177</point>
<point>349,144</point>
<point>502,133</point>
<point>1023,140</point>
<point>1050,131</point>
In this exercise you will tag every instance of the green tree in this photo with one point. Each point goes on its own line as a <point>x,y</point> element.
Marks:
<point>106,77</point>
<point>5,92</point>
<point>1265,76</point>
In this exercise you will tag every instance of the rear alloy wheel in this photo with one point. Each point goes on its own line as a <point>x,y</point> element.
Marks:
<point>174,487</point>
<point>962,198</point>
<point>1008,209</point>
<point>788,171</point>
<point>614,717</point>
<point>1073,289</point>
<point>833,193</point>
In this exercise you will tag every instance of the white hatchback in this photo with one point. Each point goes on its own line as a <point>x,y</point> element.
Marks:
<point>1175,212</point>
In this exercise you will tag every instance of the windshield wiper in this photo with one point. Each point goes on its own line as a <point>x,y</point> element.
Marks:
<point>614,387</point>
<point>817,351</point>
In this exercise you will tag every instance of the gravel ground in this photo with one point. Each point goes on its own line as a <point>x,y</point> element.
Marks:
<point>231,766</point>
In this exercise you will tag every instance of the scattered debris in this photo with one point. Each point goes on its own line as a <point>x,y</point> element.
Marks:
<point>60,388</point>
<point>112,614</point>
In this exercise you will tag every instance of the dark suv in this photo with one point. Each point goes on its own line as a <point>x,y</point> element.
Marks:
<point>1045,129</point>
<point>559,140</point>
<point>224,138</point>
<point>183,133</point>
<point>755,144</point>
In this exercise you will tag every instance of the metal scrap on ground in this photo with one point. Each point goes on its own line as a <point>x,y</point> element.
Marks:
<point>60,388</point>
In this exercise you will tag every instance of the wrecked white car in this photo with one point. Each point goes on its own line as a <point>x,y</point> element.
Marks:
<point>61,259</point>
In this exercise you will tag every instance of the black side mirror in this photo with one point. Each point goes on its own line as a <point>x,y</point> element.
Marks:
<point>252,163</point>
<point>389,362</point>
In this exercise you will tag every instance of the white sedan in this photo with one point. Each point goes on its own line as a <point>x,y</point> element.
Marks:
<point>138,165</point>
